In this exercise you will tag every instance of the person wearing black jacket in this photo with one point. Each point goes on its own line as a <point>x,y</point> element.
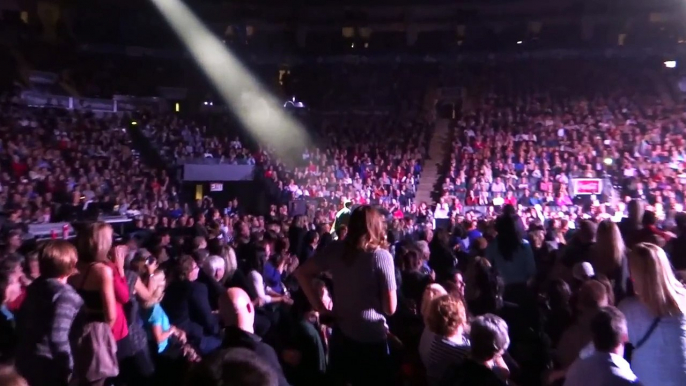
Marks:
<point>296,234</point>
<point>238,313</point>
<point>186,302</point>
<point>308,247</point>
<point>442,259</point>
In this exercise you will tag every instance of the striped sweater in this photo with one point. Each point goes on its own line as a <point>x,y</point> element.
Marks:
<point>43,325</point>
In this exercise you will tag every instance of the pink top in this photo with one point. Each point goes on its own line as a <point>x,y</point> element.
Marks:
<point>120,328</point>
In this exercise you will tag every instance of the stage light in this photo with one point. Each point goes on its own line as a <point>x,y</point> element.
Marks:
<point>670,63</point>
<point>258,110</point>
<point>519,42</point>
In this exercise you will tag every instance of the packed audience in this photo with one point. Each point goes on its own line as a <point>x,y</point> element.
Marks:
<point>489,303</point>
<point>58,165</point>
<point>364,287</point>
<point>373,156</point>
<point>529,136</point>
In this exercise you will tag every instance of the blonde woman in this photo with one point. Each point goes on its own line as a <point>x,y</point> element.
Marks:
<point>364,292</point>
<point>431,292</point>
<point>655,318</point>
<point>104,291</point>
<point>231,263</point>
<point>608,257</point>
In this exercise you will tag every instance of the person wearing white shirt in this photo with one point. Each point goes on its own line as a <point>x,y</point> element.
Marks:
<point>498,200</point>
<point>498,186</point>
<point>606,366</point>
<point>442,211</point>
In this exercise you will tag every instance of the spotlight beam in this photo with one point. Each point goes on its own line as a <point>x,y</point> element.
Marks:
<point>256,108</point>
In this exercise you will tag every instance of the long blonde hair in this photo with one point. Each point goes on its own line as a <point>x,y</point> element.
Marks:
<point>609,249</point>
<point>231,264</point>
<point>654,281</point>
<point>94,242</point>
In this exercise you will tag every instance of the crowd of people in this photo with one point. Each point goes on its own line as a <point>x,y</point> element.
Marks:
<point>372,156</point>
<point>364,287</point>
<point>490,304</point>
<point>525,141</point>
<point>57,164</point>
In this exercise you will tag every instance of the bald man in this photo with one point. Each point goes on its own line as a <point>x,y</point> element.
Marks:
<point>238,314</point>
<point>237,310</point>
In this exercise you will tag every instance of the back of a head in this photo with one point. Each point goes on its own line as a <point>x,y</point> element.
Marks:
<point>57,259</point>
<point>200,255</point>
<point>509,235</point>
<point>409,261</point>
<point>609,329</point>
<point>446,315</point>
<point>635,211</point>
<point>649,218</point>
<point>423,246</point>
<point>609,249</point>
<point>199,242</point>
<point>213,264</point>
<point>587,231</point>
<point>489,336</point>
<point>558,294</point>
<point>489,285</point>
<point>236,309</point>
<point>592,296</point>
<point>654,281</point>
<point>509,210</point>
<point>366,229</point>
<point>233,367</point>
<point>94,242</point>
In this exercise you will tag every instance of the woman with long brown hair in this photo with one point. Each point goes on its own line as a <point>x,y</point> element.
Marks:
<point>656,318</point>
<point>608,257</point>
<point>364,293</point>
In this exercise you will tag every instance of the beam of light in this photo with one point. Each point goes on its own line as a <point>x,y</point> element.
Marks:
<point>254,106</point>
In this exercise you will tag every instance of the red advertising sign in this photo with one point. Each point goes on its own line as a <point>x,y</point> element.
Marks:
<point>587,186</point>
